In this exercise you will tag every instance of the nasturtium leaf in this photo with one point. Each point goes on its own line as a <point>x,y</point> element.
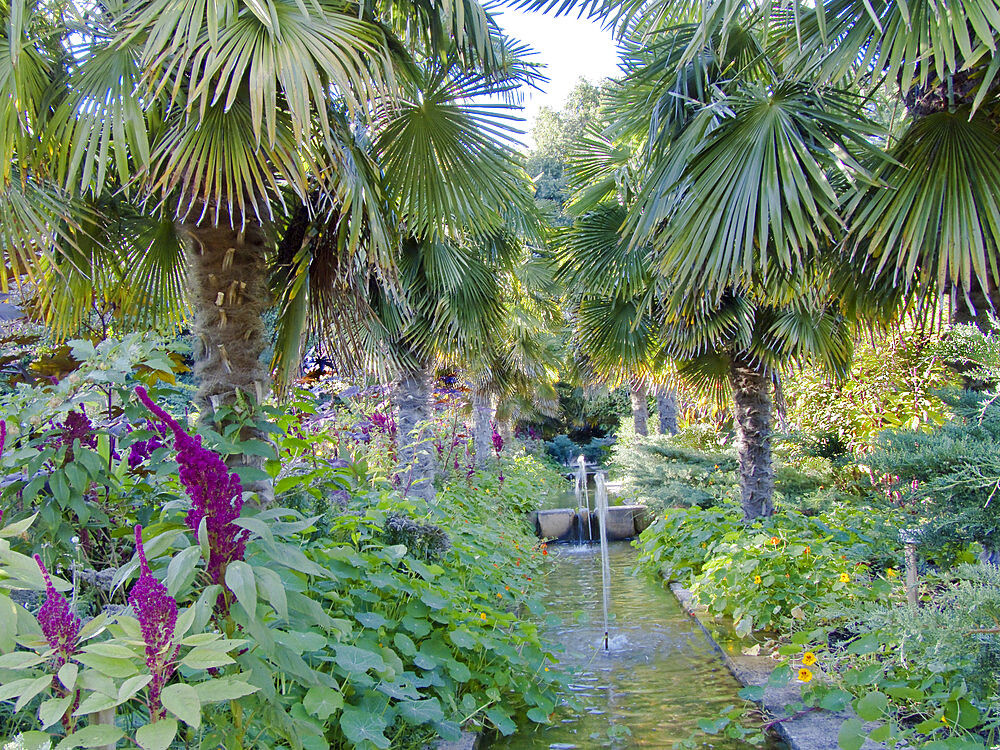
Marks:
<point>872,706</point>
<point>182,701</point>
<point>356,660</point>
<point>371,620</point>
<point>501,720</point>
<point>240,580</point>
<point>538,715</point>
<point>404,644</point>
<point>851,735</point>
<point>360,725</point>
<point>463,638</point>
<point>157,736</point>
<point>421,712</point>
<point>322,701</point>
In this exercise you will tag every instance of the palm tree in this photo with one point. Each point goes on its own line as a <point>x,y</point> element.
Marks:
<point>731,221</point>
<point>432,150</point>
<point>221,125</point>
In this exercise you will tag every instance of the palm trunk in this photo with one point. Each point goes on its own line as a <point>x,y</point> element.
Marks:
<point>751,384</point>
<point>411,397</point>
<point>482,428</point>
<point>640,410</point>
<point>229,295</point>
<point>666,410</point>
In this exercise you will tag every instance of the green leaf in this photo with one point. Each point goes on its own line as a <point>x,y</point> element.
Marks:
<point>271,586</point>
<point>206,657</point>
<point>67,675</point>
<point>322,701</point>
<point>421,712</point>
<point>53,709</point>
<point>240,580</point>
<point>109,666</point>
<point>183,702</point>
<point>133,685</point>
<point>182,569</point>
<point>95,702</point>
<point>501,720</point>
<point>872,706</point>
<point>18,527</point>
<point>360,725</point>
<point>27,689</point>
<point>95,735</point>
<point>851,735</point>
<point>157,736</point>
<point>223,689</point>
<point>20,660</point>
<point>354,660</point>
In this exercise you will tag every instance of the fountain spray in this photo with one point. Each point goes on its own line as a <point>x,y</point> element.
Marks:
<point>602,519</point>
<point>580,490</point>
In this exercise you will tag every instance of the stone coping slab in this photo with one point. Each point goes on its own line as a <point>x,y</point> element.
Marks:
<point>816,730</point>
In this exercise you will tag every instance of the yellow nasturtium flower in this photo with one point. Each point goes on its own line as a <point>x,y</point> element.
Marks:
<point>845,578</point>
<point>805,675</point>
<point>808,658</point>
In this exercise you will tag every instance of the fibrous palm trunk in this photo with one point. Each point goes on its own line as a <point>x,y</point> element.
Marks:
<point>751,385</point>
<point>411,398</point>
<point>482,428</point>
<point>229,294</point>
<point>666,410</point>
<point>640,410</point>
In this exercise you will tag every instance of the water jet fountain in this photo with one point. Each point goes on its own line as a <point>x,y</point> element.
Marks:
<point>582,492</point>
<point>601,497</point>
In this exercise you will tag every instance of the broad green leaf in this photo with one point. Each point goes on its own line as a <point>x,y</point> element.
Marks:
<point>182,569</point>
<point>271,586</point>
<point>206,657</point>
<point>53,709</point>
<point>95,702</point>
<point>851,735</point>
<point>20,660</point>
<point>240,580</point>
<point>18,527</point>
<point>322,701</point>
<point>157,736</point>
<point>106,665</point>
<point>67,675</point>
<point>95,735</point>
<point>26,690</point>
<point>360,725</point>
<point>183,702</point>
<point>421,712</point>
<point>872,706</point>
<point>354,660</point>
<point>223,689</point>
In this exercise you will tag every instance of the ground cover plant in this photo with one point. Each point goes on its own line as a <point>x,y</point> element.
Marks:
<point>820,584</point>
<point>149,601</point>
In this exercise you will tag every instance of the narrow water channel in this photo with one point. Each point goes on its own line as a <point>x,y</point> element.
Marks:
<point>659,677</point>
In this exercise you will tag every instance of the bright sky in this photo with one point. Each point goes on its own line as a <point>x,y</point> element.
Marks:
<point>569,47</point>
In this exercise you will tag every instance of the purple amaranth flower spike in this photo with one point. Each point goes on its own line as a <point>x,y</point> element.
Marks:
<point>60,626</point>
<point>216,494</point>
<point>141,450</point>
<point>156,612</point>
<point>3,434</point>
<point>497,440</point>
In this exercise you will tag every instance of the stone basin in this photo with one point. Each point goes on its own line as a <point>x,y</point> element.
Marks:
<point>571,524</point>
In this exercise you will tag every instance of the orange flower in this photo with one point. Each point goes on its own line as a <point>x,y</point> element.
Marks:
<point>774,541</point>
<point>482,615</point>
<point>806,552</point>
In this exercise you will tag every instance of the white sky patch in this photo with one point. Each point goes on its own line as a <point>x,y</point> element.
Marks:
<point>569,47</point>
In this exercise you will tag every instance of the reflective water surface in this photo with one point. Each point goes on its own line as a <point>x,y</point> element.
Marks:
<point>659,676</point>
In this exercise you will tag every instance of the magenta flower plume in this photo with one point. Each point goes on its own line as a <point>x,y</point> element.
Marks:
<point>60,626</point>
<point>3,434</point>
<point>156,612</point>
<point>216,494</point>
<point>497,441</point>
